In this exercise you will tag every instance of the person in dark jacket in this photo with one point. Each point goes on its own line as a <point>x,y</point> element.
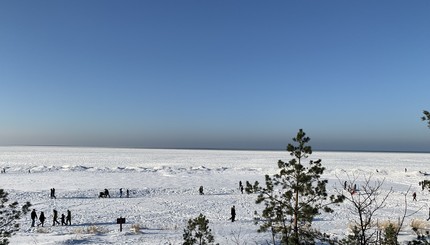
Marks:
<point>107,193</point>
<point>41,219</point>
<point>69,218</point>
<point>33,217</point>
<point>53,194</point>
<point>233,213</point>
<point>63,219</point>
<point>54,219</point>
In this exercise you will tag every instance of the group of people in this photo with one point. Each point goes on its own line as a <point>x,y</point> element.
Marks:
<point>65,220</point>
<point>351,189</point>
<point>127,192</point>
<point>105,193</point>
<point>53,193</point>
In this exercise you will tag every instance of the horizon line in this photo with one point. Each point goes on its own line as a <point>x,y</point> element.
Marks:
<point>212,148</point>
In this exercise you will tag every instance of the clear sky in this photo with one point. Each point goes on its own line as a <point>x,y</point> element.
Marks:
<point>355,75</point>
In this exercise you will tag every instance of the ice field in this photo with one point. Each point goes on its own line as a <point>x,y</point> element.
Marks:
<point>164,194</point>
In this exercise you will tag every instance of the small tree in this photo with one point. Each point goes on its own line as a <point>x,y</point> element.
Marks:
<point>295,195</point>
<point>9,215</point>
<point>390,235</point>
<point>198,232</point>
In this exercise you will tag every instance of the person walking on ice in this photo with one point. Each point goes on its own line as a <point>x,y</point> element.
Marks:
<point>63,219</point>
<point>414,196</point>
<point>41,219</point>
<point>54,218</point>
<point>233,213</point>
<point>53,194</point>
<point>69,218</point>
<point>33,217</point>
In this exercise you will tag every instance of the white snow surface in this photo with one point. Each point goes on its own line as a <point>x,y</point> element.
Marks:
<point>164,184</point>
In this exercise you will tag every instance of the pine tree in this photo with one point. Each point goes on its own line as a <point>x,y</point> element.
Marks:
<point>198,232</point>
<point>295,195</point>
<point>9,215</point>
<point>390,235</point>
<point>426,117</point>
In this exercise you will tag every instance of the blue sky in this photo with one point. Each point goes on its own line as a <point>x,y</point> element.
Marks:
<point>355,75</point>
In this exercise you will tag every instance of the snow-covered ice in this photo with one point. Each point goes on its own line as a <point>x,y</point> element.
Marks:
<point>164,194</point>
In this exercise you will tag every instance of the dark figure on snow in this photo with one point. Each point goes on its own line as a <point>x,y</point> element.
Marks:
<point>53,194</point>
<point>63,219</point>
<point>128,193</point>
<point>33,217</point>
<point>233,213</point>
<point>345,185</point>
<point>201,190</point>
<point>107,193</point>
<point>414,196</point>
<point>69,218</point>
<point>120,192</point>
<point>41,219</point>
<point>54,218</point>
<point>241,189</point>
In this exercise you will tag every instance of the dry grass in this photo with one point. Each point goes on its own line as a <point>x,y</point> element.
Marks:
<point>43,230</point>
<point>354,226</point>
<point>91,230</point>
<point>382,225</point>
<point>420,224</point>
<point>135,228</point>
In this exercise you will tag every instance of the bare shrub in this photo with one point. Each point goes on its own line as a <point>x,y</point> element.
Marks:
<point>366,202</point>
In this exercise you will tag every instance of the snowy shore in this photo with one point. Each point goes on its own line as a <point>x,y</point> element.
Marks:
<point>164,194</point>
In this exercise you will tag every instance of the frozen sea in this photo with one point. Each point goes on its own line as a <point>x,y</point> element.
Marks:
<point>164,184</point>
